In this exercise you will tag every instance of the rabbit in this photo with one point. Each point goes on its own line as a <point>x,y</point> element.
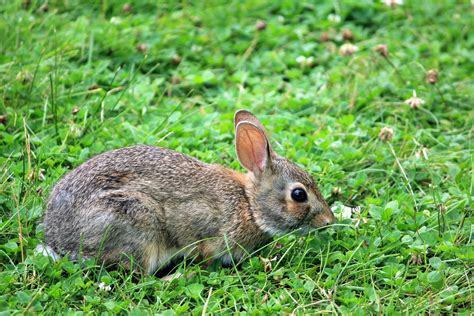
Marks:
<point>150,204</point>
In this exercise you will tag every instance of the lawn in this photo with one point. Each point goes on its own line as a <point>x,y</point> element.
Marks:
<point>334,82</point>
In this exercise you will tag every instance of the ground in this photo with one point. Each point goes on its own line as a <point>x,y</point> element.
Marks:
<point>78,78</point>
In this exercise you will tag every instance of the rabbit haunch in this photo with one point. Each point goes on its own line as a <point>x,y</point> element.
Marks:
<point>154,203</point>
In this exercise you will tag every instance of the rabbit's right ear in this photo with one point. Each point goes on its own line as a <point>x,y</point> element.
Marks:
<point>253,148</point>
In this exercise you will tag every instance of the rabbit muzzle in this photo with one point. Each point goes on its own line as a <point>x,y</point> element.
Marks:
<point>324,218</point>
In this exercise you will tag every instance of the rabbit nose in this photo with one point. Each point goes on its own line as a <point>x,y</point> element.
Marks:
<point>323,220</point>
<point>331,219</point>
<point>327,220</point>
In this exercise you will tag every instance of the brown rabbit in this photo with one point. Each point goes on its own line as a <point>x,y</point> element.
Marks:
<point>154,203</point>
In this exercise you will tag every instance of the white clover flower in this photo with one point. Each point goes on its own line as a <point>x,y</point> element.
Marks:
<point>386,134</point>
<point>300,59</point>
<point>305,61</point>
<point>414,102</point>
<point>115,20</point>
<point>344,212</point>
<point>104,287</point>
<point>334,18</point>
<point>392,3</point>
<point>196,48</point>
<point>432,76</point>
<point>348,49</point>
<point>260,25</point>
<point>382,49</point>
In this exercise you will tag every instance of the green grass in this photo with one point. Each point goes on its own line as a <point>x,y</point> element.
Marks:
<point>172,74</point>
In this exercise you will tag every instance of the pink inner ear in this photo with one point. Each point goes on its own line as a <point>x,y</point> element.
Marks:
<point>252,147</point>
<point>259,149</point>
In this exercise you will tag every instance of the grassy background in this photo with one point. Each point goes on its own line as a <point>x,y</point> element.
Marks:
<point>79,77</point>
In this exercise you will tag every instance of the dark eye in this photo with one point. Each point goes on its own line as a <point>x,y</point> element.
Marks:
<point>299,195</point>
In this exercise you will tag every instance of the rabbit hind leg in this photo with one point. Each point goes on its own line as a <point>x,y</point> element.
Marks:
<point>133,231</point>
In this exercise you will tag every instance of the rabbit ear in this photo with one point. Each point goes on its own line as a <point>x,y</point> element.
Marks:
<point>244,115</point>
<point>253,148</point>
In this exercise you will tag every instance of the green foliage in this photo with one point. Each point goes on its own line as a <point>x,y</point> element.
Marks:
<point>79,78</point>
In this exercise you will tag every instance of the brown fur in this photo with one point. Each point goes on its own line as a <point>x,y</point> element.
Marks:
<point>154,203</point>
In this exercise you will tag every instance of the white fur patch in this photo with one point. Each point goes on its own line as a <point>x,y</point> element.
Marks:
<point>47,251</point>
<point>159,256</point>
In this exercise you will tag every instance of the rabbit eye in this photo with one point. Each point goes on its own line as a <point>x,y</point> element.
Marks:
<point>299,195</point>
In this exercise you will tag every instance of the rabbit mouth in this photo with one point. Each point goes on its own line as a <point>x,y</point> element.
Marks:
<point>302,230</point>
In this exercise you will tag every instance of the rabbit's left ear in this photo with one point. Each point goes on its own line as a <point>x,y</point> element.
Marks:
<point>244,115</point>
<point>253,148</point>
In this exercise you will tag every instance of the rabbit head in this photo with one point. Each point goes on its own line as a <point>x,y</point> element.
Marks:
<point>283,196</point>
